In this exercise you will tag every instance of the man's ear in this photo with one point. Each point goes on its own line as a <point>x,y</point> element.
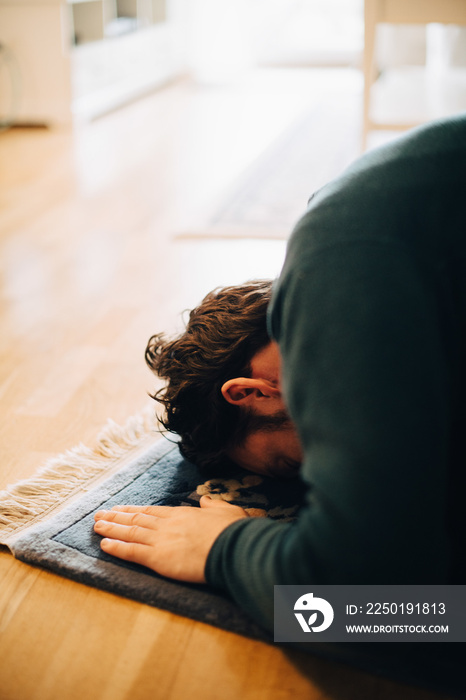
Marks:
<point>245,391</point>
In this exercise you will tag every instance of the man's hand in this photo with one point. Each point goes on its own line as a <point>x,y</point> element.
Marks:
<point>174,542</point>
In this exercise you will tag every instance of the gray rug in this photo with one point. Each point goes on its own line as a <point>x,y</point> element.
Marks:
<point>67,545</point>
<point>271,195</point>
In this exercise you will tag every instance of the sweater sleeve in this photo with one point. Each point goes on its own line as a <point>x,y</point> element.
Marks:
<point>366,379</point>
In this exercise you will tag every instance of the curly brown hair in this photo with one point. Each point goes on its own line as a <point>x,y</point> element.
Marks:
<point>221,336</point>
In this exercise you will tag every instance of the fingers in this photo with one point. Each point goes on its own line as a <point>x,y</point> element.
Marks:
<point>124,533</point>
<point>157,511</point>
<point>147,510</point>
<point>123,518</point>
<point>126,527</point>
<point>129,551</point>
<point>127,535</point>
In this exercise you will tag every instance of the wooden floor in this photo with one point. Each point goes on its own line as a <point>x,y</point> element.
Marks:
<point>89,270</point>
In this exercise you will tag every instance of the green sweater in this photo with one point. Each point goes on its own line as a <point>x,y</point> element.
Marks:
<point>370,314</point>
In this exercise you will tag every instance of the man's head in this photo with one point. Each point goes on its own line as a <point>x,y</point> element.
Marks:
<point>222,394</point>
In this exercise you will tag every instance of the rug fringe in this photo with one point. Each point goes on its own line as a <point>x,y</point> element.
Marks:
<point>25,501</point>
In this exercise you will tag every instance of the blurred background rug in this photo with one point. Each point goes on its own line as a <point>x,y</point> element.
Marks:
<point>269,197</point>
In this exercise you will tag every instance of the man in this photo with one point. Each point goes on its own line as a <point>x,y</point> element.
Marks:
<point>369,315</point>
<point>222,395</point>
